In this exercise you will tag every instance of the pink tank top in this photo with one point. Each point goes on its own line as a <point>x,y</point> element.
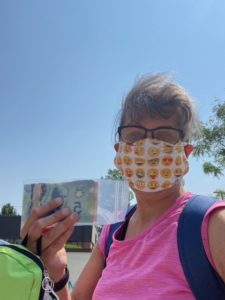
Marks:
<point>147,266</point>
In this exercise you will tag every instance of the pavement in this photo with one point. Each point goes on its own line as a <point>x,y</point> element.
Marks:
<point>76,263</point>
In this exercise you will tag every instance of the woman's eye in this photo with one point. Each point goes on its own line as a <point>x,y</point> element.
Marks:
<point>169,136</point>
<point>135,136</point>
<point>130,134</point>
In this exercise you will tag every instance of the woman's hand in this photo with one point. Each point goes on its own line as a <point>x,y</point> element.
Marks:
<point>55,230</point>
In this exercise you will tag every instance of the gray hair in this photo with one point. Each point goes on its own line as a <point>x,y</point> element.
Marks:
<point>157,96</point>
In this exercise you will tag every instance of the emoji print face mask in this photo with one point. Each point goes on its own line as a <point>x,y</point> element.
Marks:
<point>152,165</point>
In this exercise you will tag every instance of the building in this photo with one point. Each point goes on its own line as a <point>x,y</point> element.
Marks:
<point>84,237</point>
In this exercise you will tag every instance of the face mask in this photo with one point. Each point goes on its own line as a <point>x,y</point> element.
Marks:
<point>151,165</point>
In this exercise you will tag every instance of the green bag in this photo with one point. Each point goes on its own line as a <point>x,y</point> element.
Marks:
<point>22,275</point>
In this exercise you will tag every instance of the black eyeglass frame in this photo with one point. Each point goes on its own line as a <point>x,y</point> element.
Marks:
<point>180,131</point>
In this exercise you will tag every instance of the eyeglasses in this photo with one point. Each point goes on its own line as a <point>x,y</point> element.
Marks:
<point>132,133</point>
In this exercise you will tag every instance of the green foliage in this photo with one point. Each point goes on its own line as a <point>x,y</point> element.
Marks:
<point>211,142</point>
<point>220,194</point>
<point>8,210</point>
<point>113,174</point>
<point>72,247</point>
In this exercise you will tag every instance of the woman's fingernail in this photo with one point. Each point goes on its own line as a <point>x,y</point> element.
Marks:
<point>65,211</point>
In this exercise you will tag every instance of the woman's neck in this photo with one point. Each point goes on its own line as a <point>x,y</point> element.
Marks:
<point>151,205</point>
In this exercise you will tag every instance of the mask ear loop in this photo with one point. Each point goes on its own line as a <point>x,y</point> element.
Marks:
<point>24,241</point>
<point>38,244</point>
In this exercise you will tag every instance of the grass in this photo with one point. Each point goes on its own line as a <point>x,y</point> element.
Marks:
<point>72,247</point>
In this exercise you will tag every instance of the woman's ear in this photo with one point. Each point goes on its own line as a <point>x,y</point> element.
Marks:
<point>116,147</point>
<point>188,149</point>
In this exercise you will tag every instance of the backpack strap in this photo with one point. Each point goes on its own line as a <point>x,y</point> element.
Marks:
<point>205,283</point>
<point>114,227</point>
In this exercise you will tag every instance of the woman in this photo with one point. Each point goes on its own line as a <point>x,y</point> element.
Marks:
<point>155,127</point>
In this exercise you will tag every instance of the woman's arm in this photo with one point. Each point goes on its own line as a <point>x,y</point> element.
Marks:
<point>87,280</point>
<point>216,233</point>
<point>90,275</point>
<point>64,294</point>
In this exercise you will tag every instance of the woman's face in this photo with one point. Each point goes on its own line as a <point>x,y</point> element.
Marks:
<point>150,178</point>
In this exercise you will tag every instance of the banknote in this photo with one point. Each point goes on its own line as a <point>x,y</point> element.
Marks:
<point>79,196</point>
<point>96,201</point>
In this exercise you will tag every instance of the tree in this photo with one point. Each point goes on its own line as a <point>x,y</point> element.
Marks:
<point>211,142</point>
<point>220,194</point>
<point>8,210</point>
<point>113,174</point>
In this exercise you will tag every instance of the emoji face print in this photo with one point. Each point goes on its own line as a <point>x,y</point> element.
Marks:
<point>153,173</point>
<point>152,166</point>
<point>167,160</point>
<point>139,150</point>
<point>153,162</point>
<point>153,151</point>
<point>139,184</point>
<point>127,160</point>
<point>139,143</point>
<point>166,184</point>
<point>179,148</point>
<point>178,160</point>
<point>128,172</point>
<point>139,161</point>
<point>152,185</point>
<point>166,173</point>
<point>178,172</point>
<point>168,149</point>
<point>127,148</point>
<point>118,161</point>
<point>140,173</point>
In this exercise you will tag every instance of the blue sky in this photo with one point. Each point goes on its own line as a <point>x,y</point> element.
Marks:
<point>66,65</point>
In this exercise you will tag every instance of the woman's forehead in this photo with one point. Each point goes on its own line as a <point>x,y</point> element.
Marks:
<point>166,113</point>
<point>150,122</point>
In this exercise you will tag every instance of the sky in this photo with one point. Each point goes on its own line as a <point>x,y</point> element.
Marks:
<point>65,67</point>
